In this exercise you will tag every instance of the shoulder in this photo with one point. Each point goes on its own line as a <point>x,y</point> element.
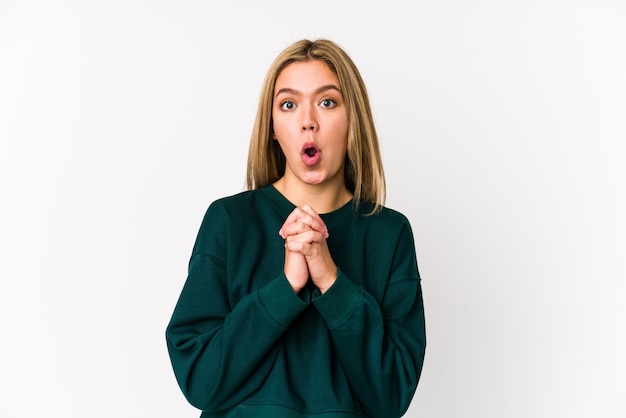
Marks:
<point>237,204</point>
<point>226,209</point>
<point>385,216</point>
<point>387,235</point>
<point>386,224</point>
<point>250,206</point>
<point>234,201</point>
<point>223,218</point>
<point>393,215</point>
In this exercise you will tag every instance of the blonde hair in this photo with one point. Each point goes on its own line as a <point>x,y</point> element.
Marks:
<point>363,173</point>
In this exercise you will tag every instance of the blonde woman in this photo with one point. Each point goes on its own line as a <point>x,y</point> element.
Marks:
<point>303,296</point>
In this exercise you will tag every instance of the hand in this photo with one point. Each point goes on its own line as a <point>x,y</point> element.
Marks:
<point>296,270</point>
<point>305,234</point>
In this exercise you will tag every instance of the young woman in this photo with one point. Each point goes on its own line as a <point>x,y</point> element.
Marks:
<point>303,295</point>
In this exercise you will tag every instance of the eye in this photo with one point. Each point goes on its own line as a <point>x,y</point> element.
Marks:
<point>328,103</point>
<point>287,105</point>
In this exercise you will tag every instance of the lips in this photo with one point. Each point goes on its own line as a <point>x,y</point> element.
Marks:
<point>310,154</point>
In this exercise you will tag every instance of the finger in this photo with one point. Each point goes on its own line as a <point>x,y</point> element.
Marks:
<point>295,228</point>
<point>317,219</point>
<point>309,244</point>
<point>293,217</point>
<point>304,243</point>
<point>308,237</point>
<point>307,217</point>
<point>303,248</point>
<point>311,217</point>
<point>303,225</point>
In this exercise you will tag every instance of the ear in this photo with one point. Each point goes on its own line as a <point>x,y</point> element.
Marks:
<point>274,137</point>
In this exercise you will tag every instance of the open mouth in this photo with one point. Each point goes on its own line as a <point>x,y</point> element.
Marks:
<point>310,154</point>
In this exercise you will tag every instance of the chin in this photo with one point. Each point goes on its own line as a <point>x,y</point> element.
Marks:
<point>312,176</point>
<point>313,180</point>
<point>317,176</point>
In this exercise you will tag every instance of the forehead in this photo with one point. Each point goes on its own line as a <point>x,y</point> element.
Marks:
<point>306,76</point>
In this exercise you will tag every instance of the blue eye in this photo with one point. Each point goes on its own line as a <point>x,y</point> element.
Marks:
<point>287,105</point>
<point>328,103</point>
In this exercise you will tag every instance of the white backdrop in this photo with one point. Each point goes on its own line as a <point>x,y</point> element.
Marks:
<point>503,128</point>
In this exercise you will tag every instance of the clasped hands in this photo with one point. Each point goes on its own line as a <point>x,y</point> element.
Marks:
<point>306,251</point>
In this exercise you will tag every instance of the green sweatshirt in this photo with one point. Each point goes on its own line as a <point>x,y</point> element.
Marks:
<point>244,344</point>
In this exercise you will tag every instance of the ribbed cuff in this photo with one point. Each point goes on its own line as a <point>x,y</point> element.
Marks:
<point>280,302</point>
<point>339,302</point>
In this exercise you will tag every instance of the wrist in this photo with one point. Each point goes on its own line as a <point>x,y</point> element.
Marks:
<point>324,285</point>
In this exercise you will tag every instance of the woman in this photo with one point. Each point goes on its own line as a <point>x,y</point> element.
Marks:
<point>303,296</point>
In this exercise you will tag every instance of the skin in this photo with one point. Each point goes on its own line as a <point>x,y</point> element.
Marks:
<point>308,110</point>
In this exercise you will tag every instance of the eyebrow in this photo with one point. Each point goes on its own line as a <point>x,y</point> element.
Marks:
<point>322,89</point>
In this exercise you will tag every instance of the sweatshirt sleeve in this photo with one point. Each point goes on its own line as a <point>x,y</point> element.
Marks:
<point>380,345</point>
<point>221,354</point>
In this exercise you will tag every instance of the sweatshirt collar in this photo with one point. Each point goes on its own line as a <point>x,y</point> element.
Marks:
<point>285,207</point>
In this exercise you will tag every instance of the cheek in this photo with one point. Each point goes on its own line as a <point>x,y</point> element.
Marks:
<point>280,125</point>
<point>341,124</point>
<point>341,131</point>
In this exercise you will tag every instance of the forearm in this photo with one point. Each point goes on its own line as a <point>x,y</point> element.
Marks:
<point>220,356</point>
<point>381,356</point>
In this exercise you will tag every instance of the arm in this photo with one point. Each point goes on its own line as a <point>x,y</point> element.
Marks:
<point>380,346</point>
<point>220,354</point>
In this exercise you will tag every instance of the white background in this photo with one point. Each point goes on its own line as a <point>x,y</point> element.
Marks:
<point>503,129</point>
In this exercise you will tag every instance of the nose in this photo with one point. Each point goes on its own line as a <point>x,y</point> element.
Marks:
<point>309,119</point>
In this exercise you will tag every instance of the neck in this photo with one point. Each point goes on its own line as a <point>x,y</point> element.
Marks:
<point>322,198</point>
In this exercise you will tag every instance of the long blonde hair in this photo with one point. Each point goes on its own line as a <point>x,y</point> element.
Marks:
<point>364,175</point>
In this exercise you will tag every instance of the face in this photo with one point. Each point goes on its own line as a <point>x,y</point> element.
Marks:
<point>311,123</point>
